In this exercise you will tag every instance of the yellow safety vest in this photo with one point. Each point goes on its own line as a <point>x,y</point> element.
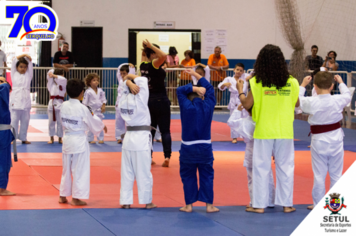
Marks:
<point>273,110</point>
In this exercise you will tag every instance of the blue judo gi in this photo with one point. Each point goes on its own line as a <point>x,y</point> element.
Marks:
<point>6,136</point>
<point>196,152</point>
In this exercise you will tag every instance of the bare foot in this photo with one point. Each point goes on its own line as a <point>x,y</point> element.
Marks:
<point>288,209</point>
<point>310,207</point>
<point>62,200</point>
<point>234,140</point>
<point>188,208</point>
<point>159,140</point>
<point>26,142</point>
<point>77,202</point>
<point>92,142</point>
<point>153,163</point>
<point>211,209</point>
<point>119,141</point>
<point>4,192</point>
<point>60,141</point>
<point>166,163</point>
<point>255,210</point>
<point>150,206</point>
<point>51,141</point>
<point>101,141</point>
<point>248,206</point>
<point>125,206</point>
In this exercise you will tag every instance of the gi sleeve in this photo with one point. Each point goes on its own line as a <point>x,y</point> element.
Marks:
<point>49,81</point>
<point>242,126</point>
<point>102,97</point>
<point>207,73</point>
<point>93,122</point>
<point>305,102</point>
<point>144,93</point>
<point>226,80</point>
<point>345,97</point>
<point>209,94</point>
<point>29,72</point>
<point>86,98</point>
<point>182,92</point>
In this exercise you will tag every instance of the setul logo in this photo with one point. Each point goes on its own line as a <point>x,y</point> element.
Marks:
<point>25,20</point>
<point>335,204</point>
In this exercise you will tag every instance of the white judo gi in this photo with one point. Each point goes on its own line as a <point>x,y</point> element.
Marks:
<point>119,122</point>
<point>244,127</point>
<point>20,99</point>
<point>57,90</point>
<point>76,119</point>
<point>95,101</point>
<point>137,145</point>
<point>234,96</point>
<point>327,148</point>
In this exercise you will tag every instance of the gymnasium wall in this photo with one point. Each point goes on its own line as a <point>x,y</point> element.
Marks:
<point>250,24</point>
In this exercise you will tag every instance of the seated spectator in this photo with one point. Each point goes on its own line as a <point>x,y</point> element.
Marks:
<point>313,61</point>
<point>188,62</point>
<point>330,61</point>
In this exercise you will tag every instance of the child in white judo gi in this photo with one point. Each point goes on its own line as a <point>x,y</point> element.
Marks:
<point>244,127</point>
<point>94,97</point>
<point>20,98</point>
<point>327,145</point>
<point>56,86</point>
<point>137,144</point>
<point>230,83</point>
<point>203,71</point>
<point>76,119</point>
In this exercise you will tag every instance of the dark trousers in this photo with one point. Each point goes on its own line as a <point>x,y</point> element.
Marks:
<point>5,166</point>
<point>188,173</point>
<point>160,111</point>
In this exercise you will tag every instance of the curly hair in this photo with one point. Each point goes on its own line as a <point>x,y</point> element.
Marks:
<point>271,67</point>
<point>90,77</point>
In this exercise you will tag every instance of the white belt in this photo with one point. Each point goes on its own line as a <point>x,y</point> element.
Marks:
<point>197,142</point>
<point>81,132</point>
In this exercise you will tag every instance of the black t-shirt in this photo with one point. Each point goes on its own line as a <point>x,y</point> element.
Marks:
<point>63,60</point>
<point>155,78</point>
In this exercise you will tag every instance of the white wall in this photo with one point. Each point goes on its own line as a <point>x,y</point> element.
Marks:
<point>250,23</point>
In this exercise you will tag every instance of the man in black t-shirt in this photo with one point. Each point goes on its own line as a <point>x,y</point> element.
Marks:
<point>313,61</point>
<point>63,59</point>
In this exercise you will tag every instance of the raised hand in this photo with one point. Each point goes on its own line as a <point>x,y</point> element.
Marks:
<point>306,81</point>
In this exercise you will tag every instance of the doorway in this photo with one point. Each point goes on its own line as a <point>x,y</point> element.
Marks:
<point>87,46</point>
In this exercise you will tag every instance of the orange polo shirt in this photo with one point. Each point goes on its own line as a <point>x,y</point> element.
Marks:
<point>186,76</point>
<point>215,61</point>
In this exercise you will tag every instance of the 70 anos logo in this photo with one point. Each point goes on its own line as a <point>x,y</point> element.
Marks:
<point>29,20</point>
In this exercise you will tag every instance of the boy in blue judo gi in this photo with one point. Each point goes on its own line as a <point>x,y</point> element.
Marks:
<point>6,137</point>
<point>196,110</point>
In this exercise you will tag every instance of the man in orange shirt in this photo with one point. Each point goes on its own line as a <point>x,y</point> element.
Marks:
<point>217,63</point>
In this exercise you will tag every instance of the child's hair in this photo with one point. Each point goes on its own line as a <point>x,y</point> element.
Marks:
<point>58,71</point>
<point>192,95</point>
<point>75,87</point>
<point>240,65</point>
<point>200,68</point>
<point>90,77</point>
<point>21,60</point>
<point>125,68</point>
<point>172,51</point>
<point>149,51</point>
<point>190,53</point>
<point>323,79</point>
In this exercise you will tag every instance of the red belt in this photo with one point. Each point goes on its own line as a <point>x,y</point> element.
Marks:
<point>318,129</point>
<point>54,112</point>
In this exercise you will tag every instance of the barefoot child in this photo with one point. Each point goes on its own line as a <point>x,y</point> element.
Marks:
<point>327,145</point>
<point>94,98</point>
<point>20,98</point>
<point>6,136</point>
<point>123,70</point>
<point>196,108</point>
<point>230,83</point>
<point>245,127</point>
<point>56,86</point>
<point>76,119</point>
<point>137,144</point>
